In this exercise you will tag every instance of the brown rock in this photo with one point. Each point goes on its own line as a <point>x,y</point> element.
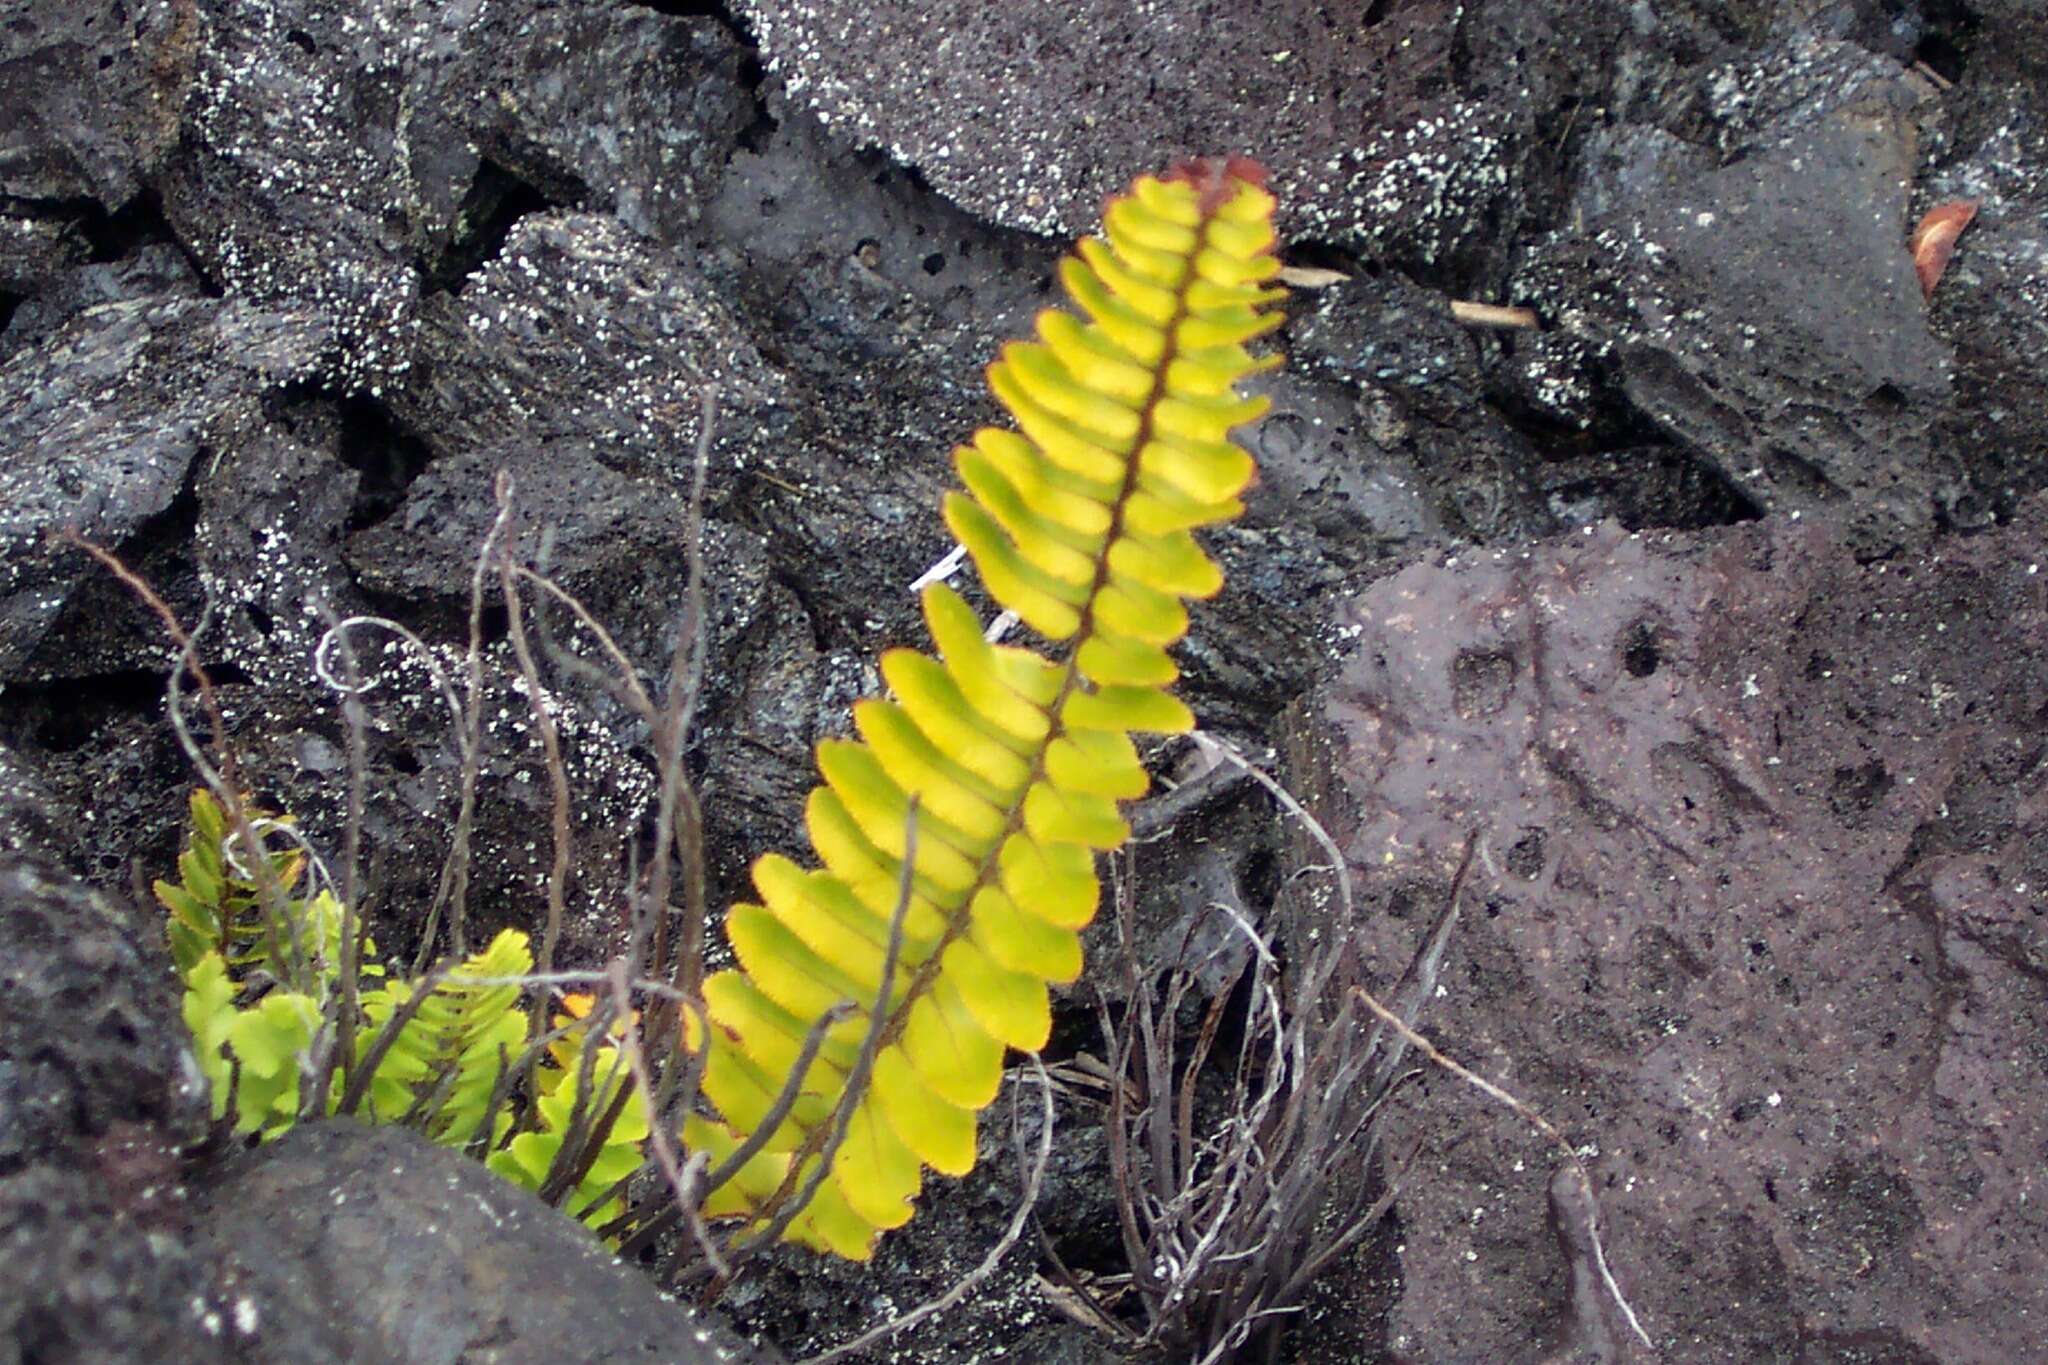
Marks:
<point>1757,920</point>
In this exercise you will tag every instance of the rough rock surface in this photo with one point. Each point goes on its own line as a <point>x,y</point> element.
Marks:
<point>96,1092</point>
<point>1759,310</point>
<point>99,428</point>
<point>1397,130</point>
<point>89,100</point>
<point>284,284</point>
<point>1758,923</point>
<point>345,1242</point>
<point>581,330</point>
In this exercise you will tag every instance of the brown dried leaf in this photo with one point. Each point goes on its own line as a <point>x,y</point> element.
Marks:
<point>1934,240</point>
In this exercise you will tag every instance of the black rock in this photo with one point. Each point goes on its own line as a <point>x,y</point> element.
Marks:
<point>1763,315</point>
<point>99,429</point>
<point>89,97</point>
<point>346,1242</point>
<point>97,1089</point>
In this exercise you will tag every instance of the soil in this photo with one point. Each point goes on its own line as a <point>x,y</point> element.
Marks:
<point>1707,615</point>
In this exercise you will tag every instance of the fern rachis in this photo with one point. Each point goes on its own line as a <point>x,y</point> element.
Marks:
<point>1081,522</point>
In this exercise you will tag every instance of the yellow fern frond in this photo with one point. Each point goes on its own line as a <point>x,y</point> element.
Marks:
<point>1079,521</point>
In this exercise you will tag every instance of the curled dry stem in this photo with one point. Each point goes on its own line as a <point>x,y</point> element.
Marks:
<point>225,780</point>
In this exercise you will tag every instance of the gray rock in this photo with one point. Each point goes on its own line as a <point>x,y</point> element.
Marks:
<point>97,1090</point>
<point>274,507</point>
<point>27,811</point>
<point>1764,315</point>
<point>1371,135</point>
<point>34,247</point>
<point>89,1032</point>
<point>291,186</point>
<point>1992,304</point>
<point>92,1274</point>
<point>154,271</point>
<point>99,428</point>
<point>606,105</point>
<point>581,331</point>
<point>331,150</point>
<point>89,94</point>
<point>345,1242</point>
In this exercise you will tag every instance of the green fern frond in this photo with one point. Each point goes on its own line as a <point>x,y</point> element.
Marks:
<point>529,1157</point>
<point>248,1053</point>
<point>215,908</point>
<point>442,1069</point>
<point>453,1050</point>
<point>1081,521</point>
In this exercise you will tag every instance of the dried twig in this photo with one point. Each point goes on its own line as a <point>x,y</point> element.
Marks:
<point>451,894</point>
<point>1535,1120</point>
<point>355,925</point>
<point>1499,316</point>
<point>550,738</point>
<point>684,1183</point>
<point>225,780</point>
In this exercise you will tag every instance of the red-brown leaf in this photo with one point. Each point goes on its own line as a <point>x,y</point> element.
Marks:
<point>1934,240</point>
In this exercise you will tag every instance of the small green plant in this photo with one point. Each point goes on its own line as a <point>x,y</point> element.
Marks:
<point>529,1156</point>
<point>435,1053</point>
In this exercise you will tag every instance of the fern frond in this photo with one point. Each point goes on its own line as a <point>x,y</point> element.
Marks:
<point>529,1157</point>
<point>214,908</point>
<point>1081,521</point>
<point>456,1045</point>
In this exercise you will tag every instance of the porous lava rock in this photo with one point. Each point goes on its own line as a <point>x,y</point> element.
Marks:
<point>1756,918</point>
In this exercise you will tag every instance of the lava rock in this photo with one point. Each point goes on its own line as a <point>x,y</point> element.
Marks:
<point>34,247</point>
<point>154,271</point>
<point>580,331</point>
<point>605,105</point>
<point>97,1090</point>
<point>99,429</point>
<point>90,97</point>
<point>1367,125</point>
<point>348,1242</point>
<point>1991,305</point>
<point>1764,314</point>
<point>1754,919</point>
<point>27,812</point>
<point>1420,385</point>
<point>89,1037</point>
<point>292,183</point>
<point>84,1280</point>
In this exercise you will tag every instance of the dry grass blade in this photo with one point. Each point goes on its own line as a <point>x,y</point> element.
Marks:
<point>1230,1203</point>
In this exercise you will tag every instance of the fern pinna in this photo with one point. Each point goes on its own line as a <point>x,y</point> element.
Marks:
<point>1080,521</point>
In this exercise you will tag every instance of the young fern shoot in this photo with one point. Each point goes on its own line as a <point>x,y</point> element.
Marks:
<point>1010,764</point>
